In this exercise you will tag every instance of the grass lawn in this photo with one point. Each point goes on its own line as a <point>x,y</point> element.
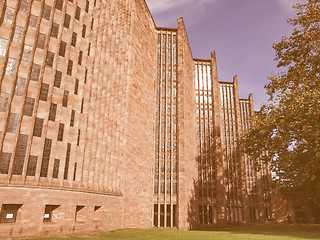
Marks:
<point>243,232</point>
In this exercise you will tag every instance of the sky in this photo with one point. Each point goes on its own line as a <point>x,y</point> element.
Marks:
<point>241,32</point>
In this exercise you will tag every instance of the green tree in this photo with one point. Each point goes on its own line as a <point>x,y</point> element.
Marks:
<point>288,126</point>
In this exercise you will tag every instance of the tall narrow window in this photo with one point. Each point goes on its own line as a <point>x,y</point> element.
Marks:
<point>27,52</point>
<point>20,86</point>
<point>78,10</point>
<point>89,48</point>
<point>57,79</point>
<point>82,103</point>
<point>4,97</point>
<point>73,39</point>
<point>75,171</point>
<point>50,58</point>
<point>78,140</point>
<point>33,22</point>
<point>84,27</point>
<point>44,91</point>
<point>87,5</point>
<point>86,76</point>
<point>60,132</point>
<point>73,112</point>
<point>92,22</point>
<point>38,124</point>
<point>52,113</point>
<point>5,162</point>
<point>55,172</point>
<point>28,107</point>
<point>3,46</point>
<point>66,167</point>
<point>35,72</point>
<point>65,98</point>
<point>9,15</point>
<point>13,122</point>
<point>24,4</point>
<point>18,33</point>
<point>69,69</point>
<point>66,22</point>
<point>46,12</point>
<point>11,66</point>
<point>59,4</point>
<point>76,86</point>
<point>45,157</point>
<point>62,50</point>
<point>32,165</point>
<point>54,30</point>
<point>80,57</point>
<point>20,154</point>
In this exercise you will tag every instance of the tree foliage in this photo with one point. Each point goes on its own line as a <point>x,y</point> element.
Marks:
<point>288,126</point>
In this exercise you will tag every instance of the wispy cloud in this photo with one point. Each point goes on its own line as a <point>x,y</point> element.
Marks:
<point>286,5</point>
<point>168,11</point>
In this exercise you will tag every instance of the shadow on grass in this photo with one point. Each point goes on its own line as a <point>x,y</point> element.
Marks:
<point>305,231</point>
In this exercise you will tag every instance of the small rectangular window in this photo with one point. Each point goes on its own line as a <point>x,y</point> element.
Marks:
<point>41,40</point>
<point>46,12</point>
<point>9,213</point>
<point>80,58</point>
<point>27,53</point>
<point>76,86</point>
<point>45,157</point>
<point>55,172</point>
<point>59,4</point>
<point>57,79</point>
<point>35,73</point>
<point>5,162</point>
<point>44,91</point>
<point>74,39</point>
<point>60,132</point>
<point>65,98</point>
<point>13,123</point>
<point>78,10</point>
<point>73,112</point>
<point>32,165</point>
<point>33,22</point>
<point>69,69</point>
<point>28,107</point>
<point>80,214</point>
<point>62,50</point>
<point>20,154</point>
<point>66,22</point>
<point>18,33</point>
<point>50,58</point>
<point>66,167</point>
<point>24,4</point>
<point>52,113</point>
<point>84,30</point>
<point>48,212</point>
<point>3,46</point>
<point>11,66</point>
<point>4,97</point>
<point>38,124</point>
<point>54,30</point>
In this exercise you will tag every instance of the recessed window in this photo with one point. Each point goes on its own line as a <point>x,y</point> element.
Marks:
<point>80,58</point>
<point>45,157</point>
<point>54,30</point>
<point>9,213</point>
<point>84,27</point>
<point>73,112</point>
<point>49,59</point>
<point>60,132</point>
<point>65,98</point>
<point>3,46</point>
<point>20,154</point>
<point>59,4</point>
<point>5,162</point>
<point>57,79</point>
<point>78,10</point>
<point>55,172</point>
<point>41,40</point>
<point>27,52</point>
<point>82,103</point>
<point>66,167</point>
<point>75,171</point>
<point>49,212</point>
<point>80,214</point>
<point>92,22</point>
<point>87,5</point>
<point>11,66</point>
<point>13,123</point>
<point>74,39</point>
<point>76,86</point>
<point>4,97</point>
<point>46,12</point>
<point>24,4</point>
<point>62,50</point>
<point>86,76</point>
<point>20,86</point>
<point>78,140</point>
<point>96,208</point>
<point>28,107</point>
<point>9,15</point>
<point>32,165</point>
<point>18,32</point>
<point>38,124</point>
<point>69,69</point>
<point>33,22</point>
<point>35,72</point>
<point>44,91</point>
<point>52,113</point>
<point>66,22</point>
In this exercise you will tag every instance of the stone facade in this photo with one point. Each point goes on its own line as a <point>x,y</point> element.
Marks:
<point>98,122</point>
